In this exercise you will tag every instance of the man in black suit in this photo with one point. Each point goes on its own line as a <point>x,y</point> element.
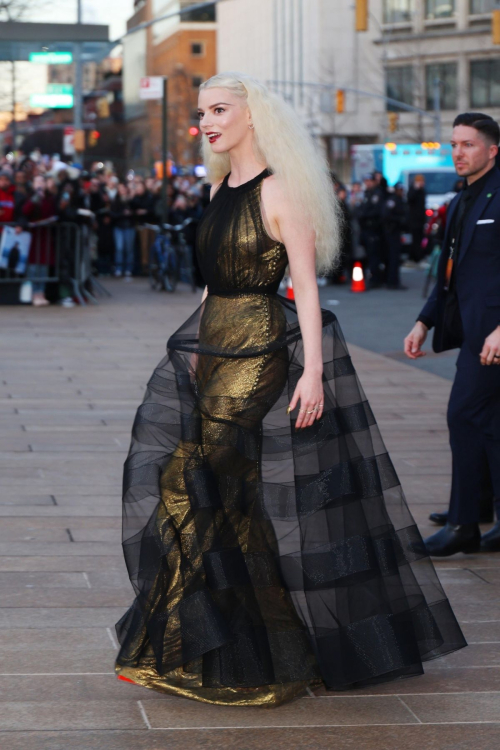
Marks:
<point>417,216</point>
<point>369,215</point>
<point>464,309</point>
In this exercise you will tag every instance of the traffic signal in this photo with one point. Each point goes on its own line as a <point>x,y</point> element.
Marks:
<point>362,13</point>
<point>340,101</point>
<point>94,136</point>
<point>393,118</point>
<point>495,26</point>
<point>79,140</point>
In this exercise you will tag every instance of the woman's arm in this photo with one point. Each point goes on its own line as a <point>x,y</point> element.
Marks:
<point>293,229</point>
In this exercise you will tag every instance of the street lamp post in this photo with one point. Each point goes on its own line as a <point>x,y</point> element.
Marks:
<point>164,152</point>
<point>437,108</point>
<point>77,92</point>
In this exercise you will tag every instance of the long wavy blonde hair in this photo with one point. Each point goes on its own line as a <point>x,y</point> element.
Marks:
<point>283,143</point>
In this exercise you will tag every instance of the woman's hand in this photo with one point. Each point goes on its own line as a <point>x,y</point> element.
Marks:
<point>309,393</point>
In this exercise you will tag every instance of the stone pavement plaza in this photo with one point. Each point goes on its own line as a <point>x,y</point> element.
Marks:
<point>70,382</point>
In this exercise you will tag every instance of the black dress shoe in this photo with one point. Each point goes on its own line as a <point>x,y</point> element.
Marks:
<point>490,542</point>
<point>441,518</point>
<point>454,538</point>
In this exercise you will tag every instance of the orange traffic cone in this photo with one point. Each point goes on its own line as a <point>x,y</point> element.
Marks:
<point>358,278</point>
<point>289,289</point>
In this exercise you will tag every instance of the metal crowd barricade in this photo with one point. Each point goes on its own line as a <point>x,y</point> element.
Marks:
<point>59,253</point>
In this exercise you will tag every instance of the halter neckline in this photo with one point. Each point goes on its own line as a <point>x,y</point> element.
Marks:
<point>249,183</point>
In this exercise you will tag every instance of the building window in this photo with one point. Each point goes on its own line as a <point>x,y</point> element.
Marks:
<point>439,9</point>
<point>197,81</point>
<point>398,11</point>
<point>485,83</point>
<point>204,15</point>
<point>197,49</point>
<point>447,75</point>
<point>483,6</point>
<point>399,85</point>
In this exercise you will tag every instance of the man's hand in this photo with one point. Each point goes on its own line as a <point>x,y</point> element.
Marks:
<point>490,354</point>
<point>415,340</point>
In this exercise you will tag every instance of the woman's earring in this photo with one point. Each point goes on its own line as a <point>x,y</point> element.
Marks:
<point>251,126</point>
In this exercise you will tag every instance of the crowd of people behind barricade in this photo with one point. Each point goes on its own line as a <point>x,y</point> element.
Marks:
<point>385,226</point>
<point>119,213</point>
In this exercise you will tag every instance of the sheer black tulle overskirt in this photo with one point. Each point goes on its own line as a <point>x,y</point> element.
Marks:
<point>261,554</point>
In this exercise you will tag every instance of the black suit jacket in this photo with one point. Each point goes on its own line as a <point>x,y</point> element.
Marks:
<point>477,272</point>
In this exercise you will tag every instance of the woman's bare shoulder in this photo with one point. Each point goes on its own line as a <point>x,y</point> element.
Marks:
<point>273,188</point>
<point>273,196</point>
<point>276,199</point>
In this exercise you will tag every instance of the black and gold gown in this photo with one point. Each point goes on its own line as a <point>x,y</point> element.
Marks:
<point>265,559</point>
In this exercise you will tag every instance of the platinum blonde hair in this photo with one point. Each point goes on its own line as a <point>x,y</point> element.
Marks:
<point>283,143</point>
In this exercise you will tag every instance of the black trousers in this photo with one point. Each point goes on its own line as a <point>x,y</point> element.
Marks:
<point>474,424</point>
<point>372,242</point>
<point>416,252</point>
<point>393,256</point>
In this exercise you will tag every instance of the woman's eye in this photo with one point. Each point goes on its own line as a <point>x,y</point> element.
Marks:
<point>219,109</point>
<point>200,115</point>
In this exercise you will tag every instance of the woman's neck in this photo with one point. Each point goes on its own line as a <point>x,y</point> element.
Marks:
<point>244,166</point>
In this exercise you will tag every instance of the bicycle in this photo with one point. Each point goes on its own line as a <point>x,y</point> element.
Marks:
<point>171,261</point>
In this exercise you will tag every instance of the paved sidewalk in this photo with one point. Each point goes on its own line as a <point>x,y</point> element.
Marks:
<point>70,382</point>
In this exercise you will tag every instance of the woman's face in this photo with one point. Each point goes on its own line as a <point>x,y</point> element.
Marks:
<point>224,119</point>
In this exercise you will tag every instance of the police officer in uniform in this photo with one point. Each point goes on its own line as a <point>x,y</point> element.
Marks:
<point>369,216</point>
<point>464,309</point>
<point>394,219</point>
<point>416,208</point>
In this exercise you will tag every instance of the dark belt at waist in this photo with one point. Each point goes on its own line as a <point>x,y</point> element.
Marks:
<point>243,290</point>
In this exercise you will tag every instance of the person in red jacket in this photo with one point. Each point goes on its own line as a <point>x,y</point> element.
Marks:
<point>41,206</point>
<point>7,201</point>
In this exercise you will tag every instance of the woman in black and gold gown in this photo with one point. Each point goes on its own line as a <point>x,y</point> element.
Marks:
<point>270,548</point>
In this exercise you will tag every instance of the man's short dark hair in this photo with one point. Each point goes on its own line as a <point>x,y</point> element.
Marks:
<point>484,124</point>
